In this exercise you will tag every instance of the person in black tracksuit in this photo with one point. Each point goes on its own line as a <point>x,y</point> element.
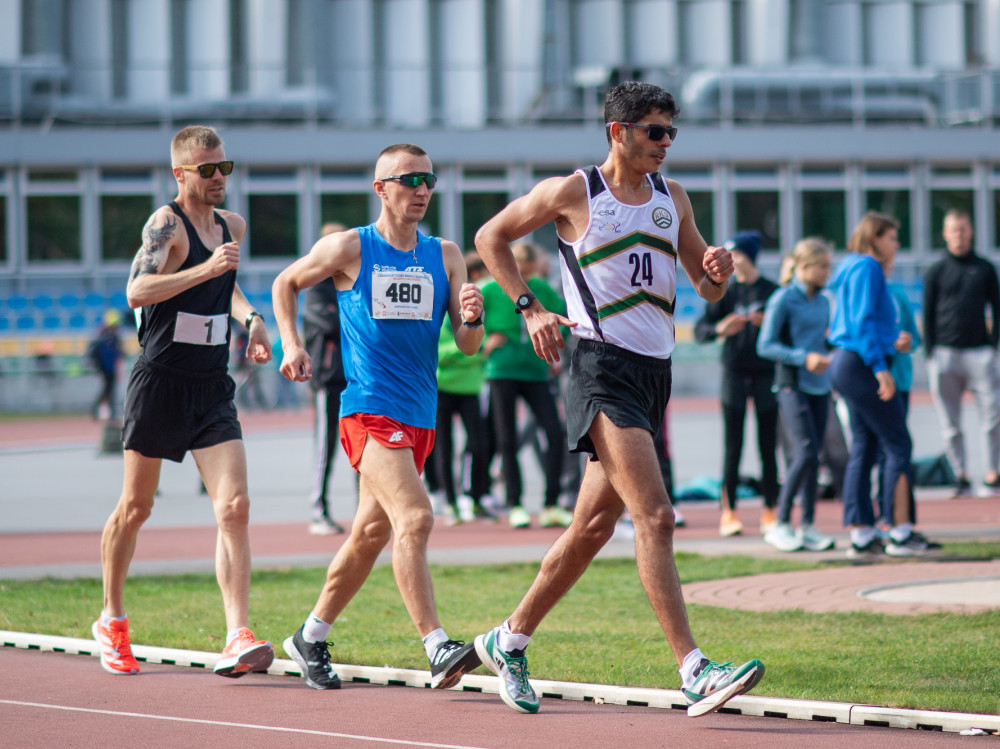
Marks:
<point>736,319</point>
<point>962,293</point>
<point>321,329</point>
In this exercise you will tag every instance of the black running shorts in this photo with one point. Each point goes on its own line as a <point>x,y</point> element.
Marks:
<point>168,412</point>
<point>632,390</point>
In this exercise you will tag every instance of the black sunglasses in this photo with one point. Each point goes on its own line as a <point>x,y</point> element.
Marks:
<point>413,179</point>
<point>654,132</point>
<point>208,170</point>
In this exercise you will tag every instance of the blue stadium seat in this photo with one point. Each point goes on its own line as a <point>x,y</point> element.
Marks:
<point>51,322</point>
<point>69,301</point>
<point>42,301</point>
<point>4,324</point>
<point>94,300</point>
<point>25,322</point>
<point>77,322</point>
<point>118,300</point>
<point>17,302</point>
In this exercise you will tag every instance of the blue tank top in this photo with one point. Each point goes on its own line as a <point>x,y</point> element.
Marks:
<point>390,321</point>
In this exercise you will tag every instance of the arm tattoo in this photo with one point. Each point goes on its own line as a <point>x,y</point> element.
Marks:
<point>154,239</point>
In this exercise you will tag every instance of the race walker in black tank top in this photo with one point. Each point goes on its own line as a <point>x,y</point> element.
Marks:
<point>190,331</point>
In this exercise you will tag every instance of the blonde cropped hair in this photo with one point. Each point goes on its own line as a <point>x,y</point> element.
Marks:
<point>190,138</point>
<point>805,251</point>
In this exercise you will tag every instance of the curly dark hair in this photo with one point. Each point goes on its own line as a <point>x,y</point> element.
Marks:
<point>630,101</point>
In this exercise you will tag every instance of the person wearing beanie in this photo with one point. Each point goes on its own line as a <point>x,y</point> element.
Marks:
<point>736,319</point>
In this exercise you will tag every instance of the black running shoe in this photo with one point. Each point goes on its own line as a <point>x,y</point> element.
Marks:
<point>871,551</point>
<point>914,545</point>
<point>314,660</point>
<point>451,660</point>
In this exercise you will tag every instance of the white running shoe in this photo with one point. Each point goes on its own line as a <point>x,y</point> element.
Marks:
<point>783,538</point>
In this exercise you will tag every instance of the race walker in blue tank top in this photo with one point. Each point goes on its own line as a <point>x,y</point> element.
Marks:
<point>391,320</point>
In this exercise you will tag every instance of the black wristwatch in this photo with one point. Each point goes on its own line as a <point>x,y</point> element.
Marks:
<point>250,318</point>
<point>523,302</point>
<point>477,323</point>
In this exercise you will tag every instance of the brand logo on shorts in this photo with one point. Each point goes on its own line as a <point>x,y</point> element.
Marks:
<point>662,218</point>
<point>396,437</point>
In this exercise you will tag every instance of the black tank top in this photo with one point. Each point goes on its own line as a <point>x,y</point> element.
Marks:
<point>199,309</point>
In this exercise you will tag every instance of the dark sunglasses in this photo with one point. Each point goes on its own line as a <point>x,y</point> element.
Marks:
<point>208,170</point>
<point>654,132</point>
<point>413,179</point>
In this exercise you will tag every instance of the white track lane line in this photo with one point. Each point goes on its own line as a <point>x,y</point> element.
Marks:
<point>251,726</point>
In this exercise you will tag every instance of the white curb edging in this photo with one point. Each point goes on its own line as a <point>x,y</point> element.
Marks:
<point>775,707</point>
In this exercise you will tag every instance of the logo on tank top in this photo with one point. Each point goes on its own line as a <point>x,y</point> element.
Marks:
<point>662,217</point>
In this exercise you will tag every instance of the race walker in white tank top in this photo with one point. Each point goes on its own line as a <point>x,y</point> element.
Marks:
<point>620,277</point>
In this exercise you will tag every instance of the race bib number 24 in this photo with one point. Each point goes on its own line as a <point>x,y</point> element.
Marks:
<point>402,295</point>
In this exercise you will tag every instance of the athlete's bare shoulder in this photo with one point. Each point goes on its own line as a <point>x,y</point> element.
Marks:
<point>236,223</point>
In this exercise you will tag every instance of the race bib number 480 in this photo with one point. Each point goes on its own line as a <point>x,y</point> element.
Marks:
<point>201,330</point>
<point>402,295</point>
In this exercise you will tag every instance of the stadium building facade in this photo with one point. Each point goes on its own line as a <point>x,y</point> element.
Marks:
<point>797,116</point>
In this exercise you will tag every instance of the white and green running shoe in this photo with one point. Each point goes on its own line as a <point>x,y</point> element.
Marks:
<point>717,683</point>
<point>512,668</point>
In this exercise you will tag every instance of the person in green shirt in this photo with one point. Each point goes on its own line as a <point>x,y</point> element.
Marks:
<point>514,371</point>
<point>460,383</point>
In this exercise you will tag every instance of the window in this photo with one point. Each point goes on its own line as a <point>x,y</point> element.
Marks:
<point>760,210</point>
<point>178,46</point>
<point>704,211</point>
<point>477,209</point>
<point>119,49</point>
<point>274,225</point>
<point>895,203</point>
<point>3,228</point>
<point>238,73</point>
<point>347,209</point>
<point>45,28</point>
<point>824,214</point>
<point>996,220</point>
<point>942,201</point>
<point>296,45</point>
<point>431,225</point>
<point>53,228</point>
<point>122,219</point>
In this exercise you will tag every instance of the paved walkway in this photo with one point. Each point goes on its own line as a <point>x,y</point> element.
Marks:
<point>58,491</point>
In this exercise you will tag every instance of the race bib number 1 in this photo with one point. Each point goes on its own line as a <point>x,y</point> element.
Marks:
<point>201,330</point>
<point>402,295</point>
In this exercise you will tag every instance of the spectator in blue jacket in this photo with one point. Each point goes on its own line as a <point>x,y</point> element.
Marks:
<point>105,352</point>
<point>865,330</point>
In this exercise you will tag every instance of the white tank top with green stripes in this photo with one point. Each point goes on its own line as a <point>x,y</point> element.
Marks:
<point>620,277</point>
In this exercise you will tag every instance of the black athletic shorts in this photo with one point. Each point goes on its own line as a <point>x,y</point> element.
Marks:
<point>632,390</point>
<point>168,412</point>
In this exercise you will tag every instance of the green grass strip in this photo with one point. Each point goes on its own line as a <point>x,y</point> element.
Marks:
<point>603,631</point>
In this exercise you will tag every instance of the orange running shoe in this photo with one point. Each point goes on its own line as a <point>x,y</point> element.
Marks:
<point>116,650</point>
<point>243,655</point>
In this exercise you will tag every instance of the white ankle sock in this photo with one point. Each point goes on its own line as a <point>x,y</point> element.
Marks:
<point>691,662</point>
<point>510,641</point>
<point>862,536</point>
<point>901,532</point>
<point>315,629</point>
<point>433,639</point>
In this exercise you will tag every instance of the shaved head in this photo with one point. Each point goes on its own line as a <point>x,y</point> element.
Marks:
<point>391,155</point>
